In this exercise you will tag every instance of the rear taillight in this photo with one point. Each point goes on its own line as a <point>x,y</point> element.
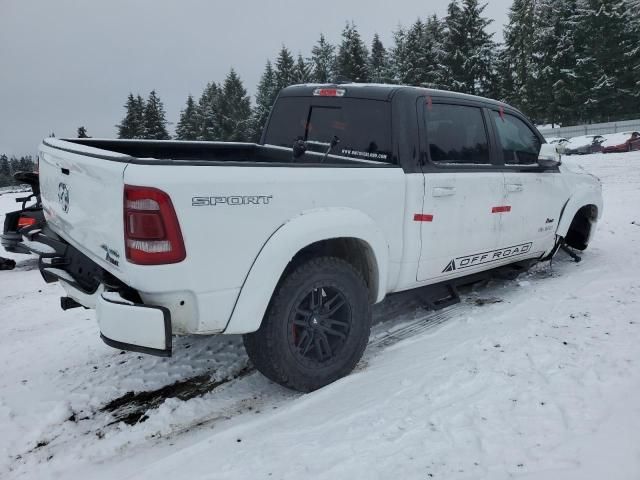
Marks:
<point>151,230</point>
<point>26,222</point>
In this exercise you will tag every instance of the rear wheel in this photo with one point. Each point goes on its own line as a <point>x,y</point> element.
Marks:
<point>316,327</point>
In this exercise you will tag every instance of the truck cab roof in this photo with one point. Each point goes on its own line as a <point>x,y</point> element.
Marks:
<point>386,92</point>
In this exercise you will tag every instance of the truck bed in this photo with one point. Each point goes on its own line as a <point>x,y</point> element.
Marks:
<point>166,152</point>
<point>226,212</point>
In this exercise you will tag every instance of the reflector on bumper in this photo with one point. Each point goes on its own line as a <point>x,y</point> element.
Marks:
<point>131,326</point>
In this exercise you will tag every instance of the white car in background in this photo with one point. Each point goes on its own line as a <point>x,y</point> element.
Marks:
<point>584,144</point>
<point>559,142</point>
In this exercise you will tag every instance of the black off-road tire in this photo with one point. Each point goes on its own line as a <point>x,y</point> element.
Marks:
<point>273,349</point>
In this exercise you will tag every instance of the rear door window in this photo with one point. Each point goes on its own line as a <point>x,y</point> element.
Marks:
<point>456,134</point>
<point>520,145</point>
<point>363,127</point>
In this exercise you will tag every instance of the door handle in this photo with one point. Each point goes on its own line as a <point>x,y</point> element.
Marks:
<point>443,191</point>
<point>514,187</point>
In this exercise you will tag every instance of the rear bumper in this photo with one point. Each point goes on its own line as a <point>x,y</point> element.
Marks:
<point>135,327</point>
<point>124,324</point>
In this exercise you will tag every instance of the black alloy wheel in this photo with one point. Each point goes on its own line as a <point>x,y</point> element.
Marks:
<point>316,327</point>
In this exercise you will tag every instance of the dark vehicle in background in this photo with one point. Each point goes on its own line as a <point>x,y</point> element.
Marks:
<point>621,142</point>
<point>27,217</point>
<point>584,144</point>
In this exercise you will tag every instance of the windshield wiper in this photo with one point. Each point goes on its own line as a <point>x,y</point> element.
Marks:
<point>300,147</point>
<point>334,142</point>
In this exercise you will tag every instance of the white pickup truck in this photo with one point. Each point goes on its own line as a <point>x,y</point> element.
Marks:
<point>354,192</point>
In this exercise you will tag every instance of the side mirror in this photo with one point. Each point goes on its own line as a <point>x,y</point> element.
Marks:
<point>549,156</point>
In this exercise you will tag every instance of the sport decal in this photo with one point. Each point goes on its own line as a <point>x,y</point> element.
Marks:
<point>487,257</point>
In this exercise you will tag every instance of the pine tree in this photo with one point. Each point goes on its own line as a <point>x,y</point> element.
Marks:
<point>155,123</point>
<point>323,61</point>
<point>517,68</point>
<point>302,71</point>
<point>605,85</point>
<point>418,55</point>
<point>82,133</point>
<point>378,62</point>
<point>553,94</point>
<point>208,104</point>
<point>285,69</point>
<point>139,107</point>
<point>454,47</point>
<point>398,57</point>
<point>351,62</point>
<point>633,29</point>
<point>14,165</point>
<point>415,60</point>
<point>265,97</point>
<point>131,125</point>
<point>433,47</point>
<point>234,112</point>
<point>5,170</point>
<point>188,127</point>
<point>470,50</point>
<point>26,164</point>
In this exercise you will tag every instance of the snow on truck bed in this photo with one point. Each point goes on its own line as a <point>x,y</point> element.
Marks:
<point>533,378</point>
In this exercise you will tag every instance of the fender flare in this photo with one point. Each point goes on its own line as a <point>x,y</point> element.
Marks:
<point>301,231</point>
<point>580,198</point>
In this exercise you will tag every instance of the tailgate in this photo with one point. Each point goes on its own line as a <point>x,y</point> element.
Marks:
<point>82,197</point>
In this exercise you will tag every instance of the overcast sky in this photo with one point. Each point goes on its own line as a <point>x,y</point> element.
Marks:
<point>66,63</point>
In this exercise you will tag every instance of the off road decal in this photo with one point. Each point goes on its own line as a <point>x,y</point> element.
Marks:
<point>487,257</point>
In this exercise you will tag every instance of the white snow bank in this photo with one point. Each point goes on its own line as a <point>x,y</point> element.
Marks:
<point>543,384</point>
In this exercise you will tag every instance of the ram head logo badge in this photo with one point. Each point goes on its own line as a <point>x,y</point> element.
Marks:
<point>63,196</point>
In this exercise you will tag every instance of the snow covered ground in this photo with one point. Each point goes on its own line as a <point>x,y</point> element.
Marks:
<point>533,378</point>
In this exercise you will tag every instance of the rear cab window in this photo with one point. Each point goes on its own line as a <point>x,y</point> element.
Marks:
<point>456,135</point>
<point>362,126</point>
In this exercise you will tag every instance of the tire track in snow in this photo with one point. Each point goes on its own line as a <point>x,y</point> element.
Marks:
<point>132,409</point>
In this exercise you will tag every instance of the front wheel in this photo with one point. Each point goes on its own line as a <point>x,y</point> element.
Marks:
<point>316,327</point>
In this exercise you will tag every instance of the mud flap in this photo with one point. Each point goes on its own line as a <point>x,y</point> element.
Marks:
<point>131,326</point>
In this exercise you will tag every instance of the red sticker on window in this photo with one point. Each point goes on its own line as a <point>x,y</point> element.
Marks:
<point>502,113</point>
<point>429,103</point>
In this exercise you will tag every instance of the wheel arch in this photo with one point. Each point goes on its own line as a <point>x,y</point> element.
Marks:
<point>344,233</point>
<point>579,217</point>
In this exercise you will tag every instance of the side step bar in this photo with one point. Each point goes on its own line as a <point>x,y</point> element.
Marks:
<point>439,296</point>
<point>443,295</point>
